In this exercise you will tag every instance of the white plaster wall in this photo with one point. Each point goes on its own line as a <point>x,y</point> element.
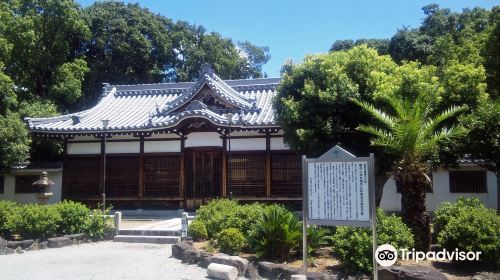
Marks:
<point>278,143</point>
<point>10,187</point>
<point>84,148</point>
<point>162,146</point>
<point>201,139</point>
<point>163,135</point>
<point>123,147</point>
<point>251,144</point>
<point>391,200</point>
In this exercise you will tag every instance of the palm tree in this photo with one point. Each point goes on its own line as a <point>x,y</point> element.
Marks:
<point>409,130</point>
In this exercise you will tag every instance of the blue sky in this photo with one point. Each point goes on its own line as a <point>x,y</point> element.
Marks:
<point>292,29</point>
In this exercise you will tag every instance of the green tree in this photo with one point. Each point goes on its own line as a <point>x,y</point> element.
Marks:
<point>381,45</point>
<point>492,55</point>
<point>407,128</point>
<point>313,103</point>
<point>46,40</point>
<point>129,44</point>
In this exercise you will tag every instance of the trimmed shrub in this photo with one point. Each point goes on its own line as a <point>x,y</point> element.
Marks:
<point>74,217</point>
<point>197,230</point>
<point>473,229</point>
<point>98,224</point>
<point>448,210</point>
<point>6,209</point>
<point>276,233</point>
<point>215,214</point>
<point>353,245</point>
<point>244,217</point>
<point>33,221</point>
<point>230,241</point>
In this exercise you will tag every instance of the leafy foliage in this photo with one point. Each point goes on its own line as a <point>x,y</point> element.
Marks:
<point>381,45</point>
<point>33,221</point>
<point>275,234</point>
<point>197,230</point>
<point>472,227</point>
<point>353,245</point>
<point>317,237</point>
<point>74,217</point>
<point>230,241</point>
<point>448,210</point>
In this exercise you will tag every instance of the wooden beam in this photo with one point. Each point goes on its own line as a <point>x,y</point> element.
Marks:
<point>101,167</point>
<point>268,165</point>
<point>224,167</point>
<point>141,167</point>
<point>182,179</point>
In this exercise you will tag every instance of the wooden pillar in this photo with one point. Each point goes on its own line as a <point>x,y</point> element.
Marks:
<point>268,164</point>
<point>182,181</point>
<point>65,165</point>
<point>141,167</point>
<point>224,166</point>
<point>101,168</point>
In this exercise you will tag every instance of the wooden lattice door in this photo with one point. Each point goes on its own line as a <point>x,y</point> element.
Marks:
<point>203,173</point>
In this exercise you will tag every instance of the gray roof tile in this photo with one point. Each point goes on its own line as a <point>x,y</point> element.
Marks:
<point>156,106</point>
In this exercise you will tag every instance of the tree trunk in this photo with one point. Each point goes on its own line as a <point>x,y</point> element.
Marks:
<point>412,182</point>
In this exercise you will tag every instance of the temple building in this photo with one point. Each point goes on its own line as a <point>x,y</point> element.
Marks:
<point>176,145</point>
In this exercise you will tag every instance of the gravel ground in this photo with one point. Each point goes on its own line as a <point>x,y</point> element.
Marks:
<point>102,260</point>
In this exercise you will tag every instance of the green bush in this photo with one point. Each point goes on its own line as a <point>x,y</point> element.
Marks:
<point>244,217</point>
<point>98,224</point>
<point>230,241</point>
<point>197,230</point>
<point>353,245</point>
<point>473,229</point>
<point>317,237</point>
<point>74,217</point>
<point>6,209</point>
<point>448,210</point>
<point>33,221</point>
<point>275,234</point>
<point>215,214</point>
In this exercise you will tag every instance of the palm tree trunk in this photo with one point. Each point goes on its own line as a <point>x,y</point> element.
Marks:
<point>412,184</point>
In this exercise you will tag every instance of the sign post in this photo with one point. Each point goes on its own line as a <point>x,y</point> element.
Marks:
<point>339,190</point>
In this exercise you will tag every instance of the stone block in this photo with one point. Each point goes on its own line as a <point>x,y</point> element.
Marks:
<point>252,272</point>
<point>9,251</point>
<point>33,247</point>
<point>205,259</point>
<point>3,244</point>
<point>44,245</point>
<point>14,244</point>
<point>240,263</point>
<point>27,243</point>
<point>410,273</point>
<point>19,250</point>
<point>222,271</point>
<point>486,276</point>
<point>75,236</point>
<point>58,242</point>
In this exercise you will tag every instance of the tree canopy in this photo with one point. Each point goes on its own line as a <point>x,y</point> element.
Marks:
<point>54,57</point>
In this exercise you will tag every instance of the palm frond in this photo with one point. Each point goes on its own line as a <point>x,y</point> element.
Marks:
<point>377,114</point>
<point>433,124</point>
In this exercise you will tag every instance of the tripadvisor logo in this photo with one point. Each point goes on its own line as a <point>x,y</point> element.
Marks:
<point>387,255</point>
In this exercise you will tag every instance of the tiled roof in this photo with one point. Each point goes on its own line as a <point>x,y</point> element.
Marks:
<point>149,107</point>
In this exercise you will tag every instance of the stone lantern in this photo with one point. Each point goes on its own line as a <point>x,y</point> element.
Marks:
<point>43,185</point>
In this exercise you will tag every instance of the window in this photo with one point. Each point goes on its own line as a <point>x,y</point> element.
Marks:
<point>1,184</point>
<point>24,183</point>
<point>122,176</point>
<point>468,181</point>
<point>247,175</point>
<point>286,175</point>
<point>162,176</point>
<point>82,176</point>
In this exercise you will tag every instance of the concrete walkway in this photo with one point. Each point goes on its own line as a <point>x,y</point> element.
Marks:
<point>95,261</point>
<point>171,224</point>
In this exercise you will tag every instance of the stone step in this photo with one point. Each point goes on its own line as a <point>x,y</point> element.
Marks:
<point>147,239</point>
<point>149,232</point>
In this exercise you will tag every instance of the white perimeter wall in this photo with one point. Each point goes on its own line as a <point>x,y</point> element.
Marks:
<point>391,200</point>
<point>10,187</point>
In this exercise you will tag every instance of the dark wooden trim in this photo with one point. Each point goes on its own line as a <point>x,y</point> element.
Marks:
<point>253,136</point>
<point>182,179</point>
<point>224,167</point>
<point>141,167</point>
<point>268,165</point>
<point>131,198</point>
<point>101,167</point>
<point>65,147</point>
<point>163,139</point>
